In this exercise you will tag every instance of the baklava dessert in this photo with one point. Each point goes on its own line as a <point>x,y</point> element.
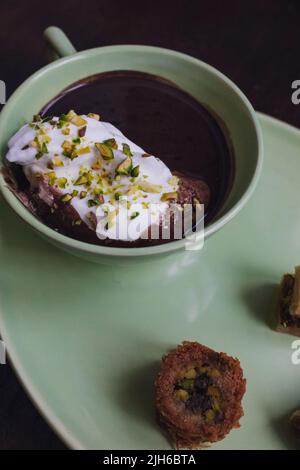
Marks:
<point>198,395</point>
<point>288,305</point>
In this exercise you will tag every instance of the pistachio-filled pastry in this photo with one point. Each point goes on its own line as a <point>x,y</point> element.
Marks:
<point>85,179</point>
<point>288,305</point>
<point>198,395</point>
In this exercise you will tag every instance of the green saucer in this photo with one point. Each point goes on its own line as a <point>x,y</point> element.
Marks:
<point>86,340</point>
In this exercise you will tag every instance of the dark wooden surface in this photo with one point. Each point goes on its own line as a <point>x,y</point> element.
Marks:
<point>255,42</point>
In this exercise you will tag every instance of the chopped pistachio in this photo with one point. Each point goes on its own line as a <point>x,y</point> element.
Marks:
<point>187,384</point>
<point>213,391</point>
<point>112,143</point>
<point>210,415</point>
<point>66,198</point>
<point>82,131</point>
<point>67,147</point>
<point>149,188</point>
<point>76,140</point>
<point>190,374</point>
<point>44,148</point>
<point>84,150</point>
<point>62,120</point>
<point>145,205</point>
<point>125,167</point>
<point>216,406</point>
<point>75,193</point>
<point>93,202</point>
<point>57,161</point>
<point>66,131</point>
<point>118,177</point>
<point>132,190</point>
<point>37,118</point>
<point>182,395</point>
<point>97,191</point>
<point>169,196</point>
<point>62,182</point>
<point>134,215</point>
<point>135,171</point>
<point>75,119</point>
<point>94,116</point>
<point>126,150</point>
<point>78,222</point>
<point>118,195</point>
<point>81,180</point>
<point>82,194</point>
<point>106,152</point>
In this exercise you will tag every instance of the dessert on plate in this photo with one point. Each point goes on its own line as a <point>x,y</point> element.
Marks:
<point>198,395</point>
<point>85,179</point>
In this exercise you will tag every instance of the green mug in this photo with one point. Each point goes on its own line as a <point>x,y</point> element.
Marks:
<point>202,81</point>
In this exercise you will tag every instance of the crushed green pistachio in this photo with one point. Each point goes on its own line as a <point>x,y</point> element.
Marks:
<point>94,116</point>
<point>126,150</point>
<point>190,374</point>
<point>83,179</point>
<point>182,395</point>
<point>112,143</point>
<point>117,195</point>
<point>132,190</point>
<point>134,215</point>
<point>66,198</point>
<point>93,202</point>
<point>149,188</point>
<point>169,196</point>
<point>62,182</point>
<point>106,152</point>
<point>57,162</point>
<point>75,119</point>
<point>66,131</point>
<point>84,150</point>
<point>125,167</point>
<point>135,171</point>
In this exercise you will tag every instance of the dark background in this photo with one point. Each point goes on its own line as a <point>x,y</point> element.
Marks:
<point>255,43</point>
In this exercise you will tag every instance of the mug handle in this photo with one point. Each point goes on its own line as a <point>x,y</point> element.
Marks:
<point>59,43</point>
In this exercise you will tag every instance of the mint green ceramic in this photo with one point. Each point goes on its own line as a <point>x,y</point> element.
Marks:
<point>204,82</point>
<point>86,340</point>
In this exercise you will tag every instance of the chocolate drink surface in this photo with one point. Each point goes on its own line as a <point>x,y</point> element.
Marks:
<point>161,118</point>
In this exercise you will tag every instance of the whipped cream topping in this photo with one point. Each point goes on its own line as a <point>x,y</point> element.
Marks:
<point>115,187</point>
